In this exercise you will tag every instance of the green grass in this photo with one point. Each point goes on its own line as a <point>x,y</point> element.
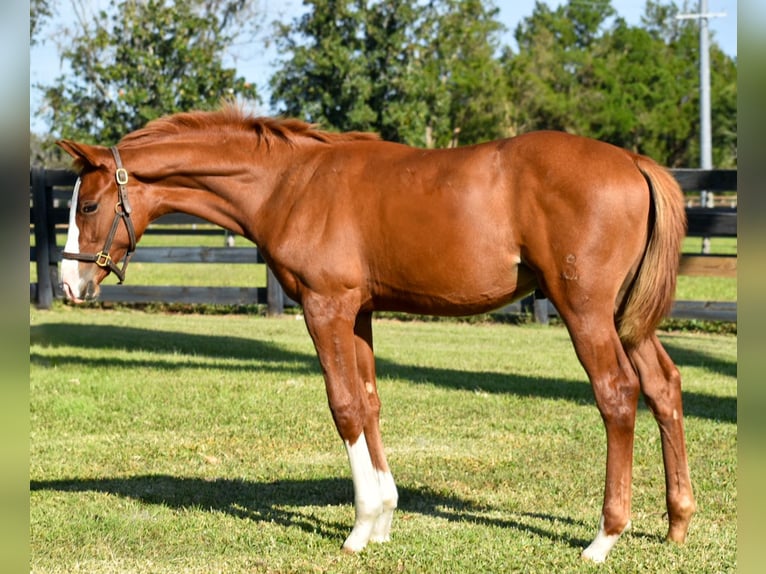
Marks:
<point>708,288</point>
<point>718,245</point>
<point>191,443</point>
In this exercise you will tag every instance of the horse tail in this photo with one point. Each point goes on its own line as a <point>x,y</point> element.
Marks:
<point>651,294</point>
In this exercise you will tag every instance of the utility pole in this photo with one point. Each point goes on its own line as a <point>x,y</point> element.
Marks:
<point>706,137</point>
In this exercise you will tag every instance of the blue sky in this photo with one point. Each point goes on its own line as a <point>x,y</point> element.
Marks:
<point>256,64</point>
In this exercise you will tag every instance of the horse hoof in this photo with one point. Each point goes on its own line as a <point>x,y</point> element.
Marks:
<point>354,544</point>
<point>593,556</point>
<point>676,535</point>
<point>602,544</point>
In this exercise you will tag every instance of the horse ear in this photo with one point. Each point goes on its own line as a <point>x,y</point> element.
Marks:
<point>85,155</point>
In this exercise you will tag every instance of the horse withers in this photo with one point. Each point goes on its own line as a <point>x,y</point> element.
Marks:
<point>350,224</point>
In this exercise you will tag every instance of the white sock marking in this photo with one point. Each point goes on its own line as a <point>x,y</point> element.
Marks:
<point>382,530</point>
<point>602,544</point>
<point>368,501</point>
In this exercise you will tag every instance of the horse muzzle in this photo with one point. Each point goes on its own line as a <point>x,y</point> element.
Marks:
<point>79,287</point>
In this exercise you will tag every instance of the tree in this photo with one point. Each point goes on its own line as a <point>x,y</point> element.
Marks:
<point>459,76</point>
<point>583,70</point>
<point>655,88</point>
<point>156,57</point>
<point>39,12</point>
<point>416,72</point>
<point>325,77</point>
<point>667,73</point>
<point>548,78</point>
<point>723,91</point>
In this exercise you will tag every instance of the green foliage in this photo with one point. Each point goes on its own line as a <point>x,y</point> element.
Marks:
<point>723,88</point>
<point>580,69</point>
<point>142,60</point>
<point>434,74</point>
<point>416,72</point>
<point>459,75</point>
<point>326,80</point>
<point>39,12</point>
<point>431,73</point>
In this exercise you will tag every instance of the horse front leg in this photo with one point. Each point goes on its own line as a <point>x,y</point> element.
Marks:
<point>331,324</point>
<point>365,361</point>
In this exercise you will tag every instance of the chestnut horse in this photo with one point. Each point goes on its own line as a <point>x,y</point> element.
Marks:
<point>350,224</point>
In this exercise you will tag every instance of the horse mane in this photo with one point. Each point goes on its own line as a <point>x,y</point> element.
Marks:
<point>229,118</point>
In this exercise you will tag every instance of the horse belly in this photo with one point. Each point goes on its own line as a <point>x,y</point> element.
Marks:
<point>449,286</point>
<point>444,244</point>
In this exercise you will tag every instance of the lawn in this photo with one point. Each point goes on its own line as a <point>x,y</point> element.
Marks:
<point>203,443</point>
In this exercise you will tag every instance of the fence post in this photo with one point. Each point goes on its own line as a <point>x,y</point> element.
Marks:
<point>537,304</point>
<point>540,308</point>
<point>53,250</point>
<point>275,297</point>
<point>42,204</point>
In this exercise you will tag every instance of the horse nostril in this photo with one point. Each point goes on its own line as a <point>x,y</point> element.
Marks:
<point>91,291</point>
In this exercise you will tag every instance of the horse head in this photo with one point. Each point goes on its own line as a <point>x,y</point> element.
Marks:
<point>103,224</point>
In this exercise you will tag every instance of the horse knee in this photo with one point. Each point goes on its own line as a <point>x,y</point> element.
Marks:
<point>660,380</point>
<point>349,417</point>
<point>613,379</point>
<point>615,520</point>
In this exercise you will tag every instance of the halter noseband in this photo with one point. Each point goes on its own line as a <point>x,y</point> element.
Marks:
<point>121,213</point>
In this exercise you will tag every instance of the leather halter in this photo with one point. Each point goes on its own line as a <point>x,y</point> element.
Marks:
<point>121,213</point>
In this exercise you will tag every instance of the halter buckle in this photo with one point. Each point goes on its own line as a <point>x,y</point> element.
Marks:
<point>103,259</point>
<point>122,176</point>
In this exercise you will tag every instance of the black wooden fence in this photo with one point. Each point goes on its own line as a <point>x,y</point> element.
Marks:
<point>51,191</point>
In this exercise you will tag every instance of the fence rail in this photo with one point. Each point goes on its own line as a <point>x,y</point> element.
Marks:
<point>51,190</point>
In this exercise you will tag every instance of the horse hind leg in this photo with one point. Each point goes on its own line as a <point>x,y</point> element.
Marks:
<point>616,389</point>
<point>661,387</point>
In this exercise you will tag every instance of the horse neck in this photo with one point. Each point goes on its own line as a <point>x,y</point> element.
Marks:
<point>225,183</point>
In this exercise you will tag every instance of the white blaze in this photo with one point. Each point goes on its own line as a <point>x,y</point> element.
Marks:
<point>70,275</point>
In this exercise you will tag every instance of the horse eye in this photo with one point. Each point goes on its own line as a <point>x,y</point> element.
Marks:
<point>89,207</point>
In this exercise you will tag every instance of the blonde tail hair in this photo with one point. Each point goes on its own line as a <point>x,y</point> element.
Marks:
<point>651,294</point>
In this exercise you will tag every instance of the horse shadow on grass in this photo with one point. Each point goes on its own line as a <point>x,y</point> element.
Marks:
<point>280,503</point>
<point>119,344</point>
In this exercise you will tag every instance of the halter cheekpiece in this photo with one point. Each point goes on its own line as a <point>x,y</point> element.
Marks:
<point>122,212</point>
